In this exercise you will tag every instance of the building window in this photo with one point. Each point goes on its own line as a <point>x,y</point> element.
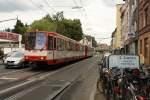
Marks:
<point>140,46</point>
<point>145,16</point>
<point>145,47</point>
<point>141,25</point>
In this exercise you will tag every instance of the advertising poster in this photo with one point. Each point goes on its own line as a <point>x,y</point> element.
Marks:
<point>40,40</point>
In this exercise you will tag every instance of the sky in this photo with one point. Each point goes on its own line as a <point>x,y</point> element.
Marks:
<point>98,17</point>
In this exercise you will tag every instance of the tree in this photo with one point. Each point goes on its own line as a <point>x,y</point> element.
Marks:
<point>57,23</point>
<point>72,29</point>
<point>8,30</point>
<point>94,43</point>
<point>20,28</point>
<point>42,25</point>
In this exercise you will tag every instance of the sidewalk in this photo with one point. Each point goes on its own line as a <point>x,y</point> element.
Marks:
<point>99,96</point>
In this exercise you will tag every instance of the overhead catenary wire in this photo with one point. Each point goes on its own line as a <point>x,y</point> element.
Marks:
<point>47,3</point>
<point>8,20</point>
<point>104,38</point>
<point>75,2</point>
<point>83,12</point>
<point>39,6</point>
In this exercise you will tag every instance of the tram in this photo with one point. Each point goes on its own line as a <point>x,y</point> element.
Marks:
<point>52,48</point>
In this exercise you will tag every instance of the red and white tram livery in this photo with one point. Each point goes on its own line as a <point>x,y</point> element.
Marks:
<point>52,48</point>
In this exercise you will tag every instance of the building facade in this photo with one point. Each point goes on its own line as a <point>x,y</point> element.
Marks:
<point>135,29</point>
<point>113,44</point>
<point>144,30</point>
<point>124,25</point>
<point>116,35</point>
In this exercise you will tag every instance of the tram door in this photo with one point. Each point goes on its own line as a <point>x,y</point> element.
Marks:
<point>50,47</point>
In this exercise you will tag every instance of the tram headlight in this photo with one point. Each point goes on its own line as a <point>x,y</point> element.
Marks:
<point>26,57</point>
<point>42,58</point>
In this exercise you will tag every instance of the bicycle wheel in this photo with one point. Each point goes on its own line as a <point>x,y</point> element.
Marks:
<point>101,87</point>
<point>108,93</point>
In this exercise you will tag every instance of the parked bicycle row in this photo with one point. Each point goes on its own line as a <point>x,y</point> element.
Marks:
<point>122,78</point>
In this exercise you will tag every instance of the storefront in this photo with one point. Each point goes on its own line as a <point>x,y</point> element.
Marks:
<point>10,41</point>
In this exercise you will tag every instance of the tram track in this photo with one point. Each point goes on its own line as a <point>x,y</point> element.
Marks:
<point>55,86</point>
<point>62,78</point>
<point>15,86</point>
<point>4,71</point>
<point>20,84</point>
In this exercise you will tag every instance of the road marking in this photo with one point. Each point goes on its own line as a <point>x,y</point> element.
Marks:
<point>15,87</point>
<point>25,83</point>
<point>20,94</point>
<point>13,72</point>
<point>8,78</point>
<point>35,79</point>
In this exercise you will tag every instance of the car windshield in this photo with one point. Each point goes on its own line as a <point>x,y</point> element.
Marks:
<point>17,54</point>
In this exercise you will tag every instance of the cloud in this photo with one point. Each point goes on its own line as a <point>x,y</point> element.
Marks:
<point>112,3</point>
<point>109,3</point>
<point>97,16</point>
<point>15,5</point>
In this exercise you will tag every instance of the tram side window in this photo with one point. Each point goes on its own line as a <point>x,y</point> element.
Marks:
<point>58,44</point>
<point>55,43</point>
<point>50,42</point>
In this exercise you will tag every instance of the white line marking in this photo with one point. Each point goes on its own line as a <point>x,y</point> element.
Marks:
<point>12,72</point>
<point>27,82</point>
<point>8,78</point>
<point>20,94</point>
<point>15,87</point>
<point>30,80</point>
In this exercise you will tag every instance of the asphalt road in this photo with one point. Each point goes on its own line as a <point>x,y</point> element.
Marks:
<point>76,81</point>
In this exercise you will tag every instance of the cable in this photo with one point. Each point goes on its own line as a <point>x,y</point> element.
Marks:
<point>47,3</point>
<point>39,7</point>
<point>7,20</point>
<point>104,38</point>
<point>75,2</point>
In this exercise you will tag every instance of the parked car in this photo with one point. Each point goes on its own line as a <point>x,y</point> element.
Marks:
<point>14,59</point>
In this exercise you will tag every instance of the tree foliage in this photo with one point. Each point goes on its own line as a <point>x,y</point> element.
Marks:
<point>43,25</point>
<point>73,28</point>
<point>94,43</point>
<point>8,30</point>
<point>20,28</point>
<point>57,23</point>
<point>89,38</point>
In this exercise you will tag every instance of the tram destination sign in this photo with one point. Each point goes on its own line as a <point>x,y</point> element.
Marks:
<point>124,61</point>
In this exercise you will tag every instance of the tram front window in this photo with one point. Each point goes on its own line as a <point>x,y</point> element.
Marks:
<point>36,40</point>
